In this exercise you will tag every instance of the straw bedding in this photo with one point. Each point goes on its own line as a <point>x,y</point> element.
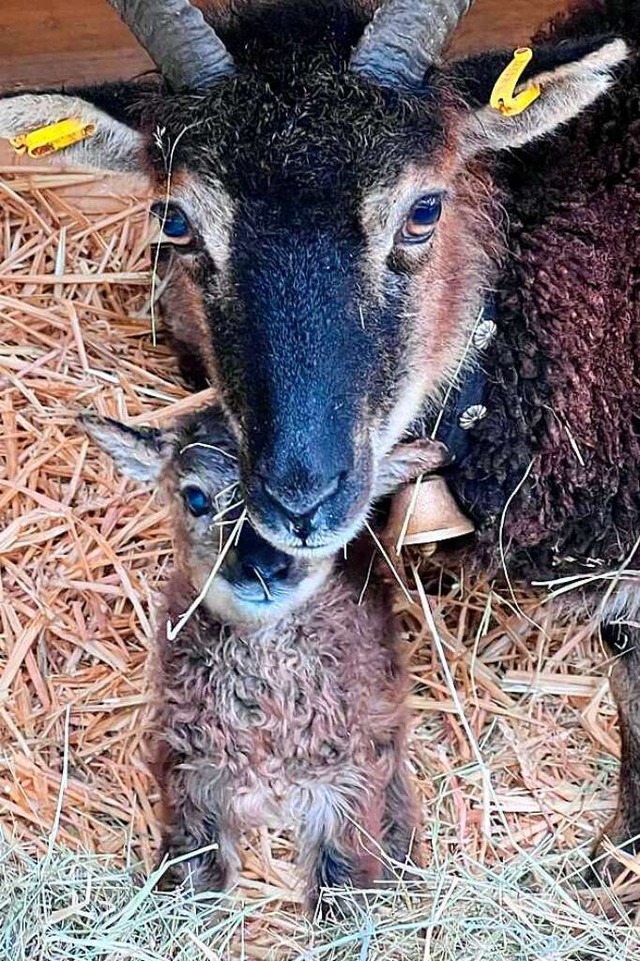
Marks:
<point>515,744</point>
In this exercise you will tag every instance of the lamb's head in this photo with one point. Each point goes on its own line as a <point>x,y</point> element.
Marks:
<point>323,195</point>
<point>195,466</point>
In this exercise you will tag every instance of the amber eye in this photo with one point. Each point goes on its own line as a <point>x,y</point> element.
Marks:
<point>421,220</point>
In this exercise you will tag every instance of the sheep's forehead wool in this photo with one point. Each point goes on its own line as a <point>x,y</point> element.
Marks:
<point>294,117</point>
<point>329,134</point>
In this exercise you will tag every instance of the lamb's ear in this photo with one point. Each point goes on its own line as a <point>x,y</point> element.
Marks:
<point>406,461</point>
<point>114,146</point>
<point>139,453</point>
<point>570,77</point>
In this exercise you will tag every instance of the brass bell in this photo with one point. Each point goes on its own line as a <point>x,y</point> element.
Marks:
<point>433,514</point>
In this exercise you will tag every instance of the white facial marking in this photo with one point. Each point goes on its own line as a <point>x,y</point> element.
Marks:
<point>210,210</point>
<point>227,604</point>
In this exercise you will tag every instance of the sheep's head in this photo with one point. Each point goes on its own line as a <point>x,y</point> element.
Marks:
<point>323,194</point>
<point>195,466</point>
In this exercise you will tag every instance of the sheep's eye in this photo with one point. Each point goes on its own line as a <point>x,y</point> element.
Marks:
<point>421,219</point>
<point>197,501</point>
<point>173,221</point>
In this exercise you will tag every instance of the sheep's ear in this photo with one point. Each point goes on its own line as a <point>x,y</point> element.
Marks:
<point>113,146</point>
<point>570,77</point>
<point>406,461</point>
<point>139,453</point>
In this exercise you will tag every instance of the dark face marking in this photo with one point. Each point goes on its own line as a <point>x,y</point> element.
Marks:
<point>309,331</point>
<point>299,354</point>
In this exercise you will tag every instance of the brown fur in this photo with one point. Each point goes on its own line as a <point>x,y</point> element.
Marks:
<point>288,710</point>
<point>300,724</point>
<point>183,319</point>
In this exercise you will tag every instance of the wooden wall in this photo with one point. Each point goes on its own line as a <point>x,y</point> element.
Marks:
<point>49,42</point>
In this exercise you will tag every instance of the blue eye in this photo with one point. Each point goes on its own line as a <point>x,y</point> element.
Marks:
<point>197,501</point>
<point>422,219</point>
<point>173,221</point>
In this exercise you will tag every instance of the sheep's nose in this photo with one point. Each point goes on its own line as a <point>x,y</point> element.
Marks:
<point>300,507</point>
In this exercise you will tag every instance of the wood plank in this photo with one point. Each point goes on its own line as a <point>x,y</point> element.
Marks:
<point>496,23</point>
<point>83,41</point>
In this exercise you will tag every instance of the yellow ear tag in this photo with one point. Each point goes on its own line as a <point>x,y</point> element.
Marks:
<point>55,136</point>
<point>502,96</point>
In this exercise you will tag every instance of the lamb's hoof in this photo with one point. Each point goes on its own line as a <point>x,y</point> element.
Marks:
<point>610,857</point>
<point>180,875</point>
<point>336,907</point>
<point>169,880</point>
<point>599,873</point>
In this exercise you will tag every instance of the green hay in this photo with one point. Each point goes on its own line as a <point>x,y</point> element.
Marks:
<point>70,907</point>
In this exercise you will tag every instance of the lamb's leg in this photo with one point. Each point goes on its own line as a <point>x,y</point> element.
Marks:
<point>191,830</point>
<point>624,828</point>
<point>341,851</point>
<point>400,815</point>
<point>190,823</point>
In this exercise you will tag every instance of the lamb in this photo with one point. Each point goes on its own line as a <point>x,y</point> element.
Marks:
<point>281,698</point>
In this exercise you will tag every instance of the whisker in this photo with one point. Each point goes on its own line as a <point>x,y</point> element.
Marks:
<point>226,510</point>
<point>263,583</point>
<point>368,578</point>
<point>225,490</point>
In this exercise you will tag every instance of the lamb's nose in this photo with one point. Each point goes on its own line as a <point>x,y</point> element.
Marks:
<point>257,558</point>
<point>274,567</point>
<point>300,506</point>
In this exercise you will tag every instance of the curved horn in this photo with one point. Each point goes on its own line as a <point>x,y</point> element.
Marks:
<point>183,46</point>
<point>404,38</point>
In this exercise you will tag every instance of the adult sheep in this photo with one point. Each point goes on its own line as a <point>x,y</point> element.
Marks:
<point>334,221</point>
<point>340,205</point>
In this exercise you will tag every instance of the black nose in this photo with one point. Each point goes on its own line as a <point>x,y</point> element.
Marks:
<point>300,506</point>
<point>253,559</point>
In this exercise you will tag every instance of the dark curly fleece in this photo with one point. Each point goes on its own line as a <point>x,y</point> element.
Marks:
<point>564,371</point>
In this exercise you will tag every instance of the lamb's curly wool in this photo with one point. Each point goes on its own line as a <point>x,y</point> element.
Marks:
<point>300,723</point>
<point>280,685</point>
<point>564,384</point>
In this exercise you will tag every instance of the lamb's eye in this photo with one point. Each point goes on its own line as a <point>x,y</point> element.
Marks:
<point>421,219</point>
<point>173,221</point>
<point>197,501</point>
